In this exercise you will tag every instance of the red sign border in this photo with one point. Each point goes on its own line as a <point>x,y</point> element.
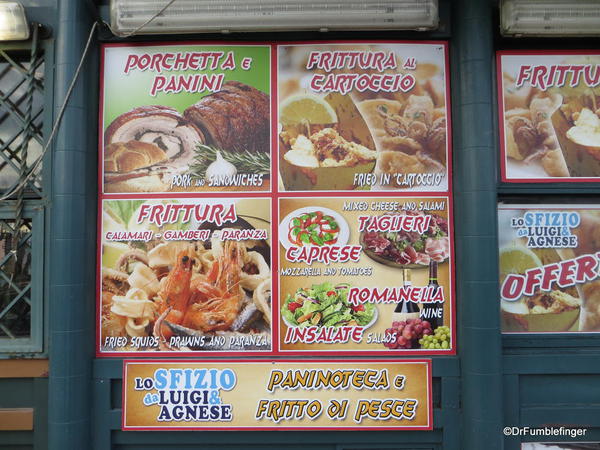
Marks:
<point>104,46</point>
<point>448,107</point>
<point>501,132</point>
<point>275,195</point>
<point>387,352</point>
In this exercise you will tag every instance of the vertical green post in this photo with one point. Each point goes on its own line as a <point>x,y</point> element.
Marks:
<point>475,175</point>
<point>72,242</point>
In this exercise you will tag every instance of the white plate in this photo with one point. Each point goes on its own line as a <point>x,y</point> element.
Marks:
<point>343,235</point>
<point>370,324</point>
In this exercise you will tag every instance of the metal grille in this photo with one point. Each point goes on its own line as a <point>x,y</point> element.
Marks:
<point>21,142</point>
<point>21,113</point>
<point>15,279</point>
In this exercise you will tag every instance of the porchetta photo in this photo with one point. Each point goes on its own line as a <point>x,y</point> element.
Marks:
<point>146,147</point>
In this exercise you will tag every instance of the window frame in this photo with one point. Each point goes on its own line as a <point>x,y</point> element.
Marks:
<point>36,209</point>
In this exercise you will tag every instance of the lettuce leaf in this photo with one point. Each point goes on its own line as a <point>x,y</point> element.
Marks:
<point>123,209</point>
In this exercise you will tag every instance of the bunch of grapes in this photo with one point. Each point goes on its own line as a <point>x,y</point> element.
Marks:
<point>440,339</point>
<point>407,334</point>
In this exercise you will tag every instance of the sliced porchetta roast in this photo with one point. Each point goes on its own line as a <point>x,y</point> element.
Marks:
<point>158,125</point>
<point>236,118</point>
<point>148,142</point>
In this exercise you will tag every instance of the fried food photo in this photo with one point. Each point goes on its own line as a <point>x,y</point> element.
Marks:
<point>410,137</point>
<point>554,310</point>
<point>323,143</point>
<point>185,293</point>
<point>530,136</point>
<point>396,126</point>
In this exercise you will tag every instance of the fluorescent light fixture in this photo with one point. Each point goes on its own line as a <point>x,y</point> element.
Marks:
<point>13,23</point>
<point>200,16</point>
<point>550,17</point>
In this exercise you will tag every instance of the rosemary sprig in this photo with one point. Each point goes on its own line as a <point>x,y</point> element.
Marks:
<point>245,161</point>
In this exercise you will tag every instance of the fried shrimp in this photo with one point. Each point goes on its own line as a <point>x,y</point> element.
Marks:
<point>175,293</point>
<point>215,302</point>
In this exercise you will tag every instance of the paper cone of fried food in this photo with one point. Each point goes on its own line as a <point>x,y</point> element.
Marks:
<point>578,130</point>
<point>556,310</point>
<point>374,112</point>
<point>351,124</point>
<point>325,156</point>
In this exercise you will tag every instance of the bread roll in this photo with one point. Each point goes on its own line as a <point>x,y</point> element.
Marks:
<point>123,157</point>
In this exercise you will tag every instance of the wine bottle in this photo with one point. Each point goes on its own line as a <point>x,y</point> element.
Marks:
<point>433,312</point>
<point>405,310</point>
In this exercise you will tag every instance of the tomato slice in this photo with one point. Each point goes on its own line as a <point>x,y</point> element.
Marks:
<point>325,220</point>
<point>291,237</point>
<point>313,228</point>
<point>293,306</point>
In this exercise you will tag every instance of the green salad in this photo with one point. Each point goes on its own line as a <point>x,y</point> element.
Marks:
<point>325,305</point>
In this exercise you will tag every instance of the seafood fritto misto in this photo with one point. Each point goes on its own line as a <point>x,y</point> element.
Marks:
<point>185,296</point>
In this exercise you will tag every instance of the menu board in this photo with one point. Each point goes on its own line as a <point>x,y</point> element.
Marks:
<point>319,172</point>
<point>549,122</point>
<point>275,395</point>
<point>549,268</point>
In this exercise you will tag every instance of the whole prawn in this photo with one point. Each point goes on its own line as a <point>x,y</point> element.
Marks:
<point>216,300</point>
<point>175,293</point>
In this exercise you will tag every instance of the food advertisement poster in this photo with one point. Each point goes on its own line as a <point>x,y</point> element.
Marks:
<point>185,275</point>
<point>284,394</point>
<point>180,118</point>
<point>549,268</point>
<point>549,115</point>
<point>366,116</point>
<point>318,171</point>
<point>367,274</point>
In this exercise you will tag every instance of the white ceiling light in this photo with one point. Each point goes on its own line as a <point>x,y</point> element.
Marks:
<point>550,17</point>
<point>198,16</point>
<point>13,24</point>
